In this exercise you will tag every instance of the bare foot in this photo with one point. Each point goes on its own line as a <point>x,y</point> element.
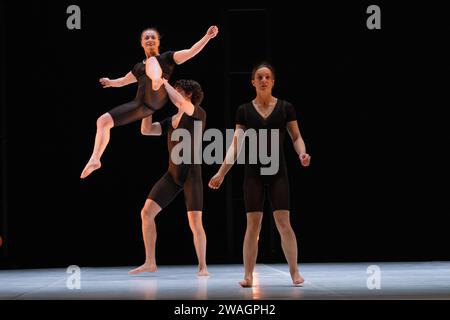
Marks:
<point>156,84</point>
<point>297,279</point>
<point>246,283</point>
<point>203,272</point>
<point>146,267</point>
<point>91,166</point>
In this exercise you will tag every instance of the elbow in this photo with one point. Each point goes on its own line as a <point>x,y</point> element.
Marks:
<point>179,104</point>
<point>188,108</point>
<point>190,52</point>
<point>145,131</point>
<point>298,140</point>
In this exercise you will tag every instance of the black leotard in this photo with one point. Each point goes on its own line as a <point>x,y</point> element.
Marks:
<point>147,101</point>
<point>187,177</point>
<point>254,182</point>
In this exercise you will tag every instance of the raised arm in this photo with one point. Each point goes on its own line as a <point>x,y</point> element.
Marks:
<point>119,82</point>
<point>297,141</point>
<point>148,128</point>
<point>230,158</point>
<point>182,56</point>
<point>177,99</point>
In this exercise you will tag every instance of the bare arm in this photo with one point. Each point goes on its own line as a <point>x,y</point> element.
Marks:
<point>119,82</point>
<point>178,100</point>
<point>297,141</point>
<point>148,128</point>
<point>182,56</point>
<point>230,158</point>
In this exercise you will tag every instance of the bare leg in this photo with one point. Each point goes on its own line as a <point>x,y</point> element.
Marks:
<point>154,72</point>
<point>250,249</point>
<point>104,125</point>
<point>288,243</point>
<point>148,215</point>
<point>195,222</point>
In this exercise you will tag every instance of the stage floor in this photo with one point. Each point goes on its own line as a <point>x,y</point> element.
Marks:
<point>418,280</point>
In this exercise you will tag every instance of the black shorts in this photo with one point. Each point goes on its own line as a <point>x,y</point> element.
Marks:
<point>130,112</point>
<point>166,189</point>
<point>277,188</point>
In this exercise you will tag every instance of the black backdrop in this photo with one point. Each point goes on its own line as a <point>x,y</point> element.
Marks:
<point>369,104</point>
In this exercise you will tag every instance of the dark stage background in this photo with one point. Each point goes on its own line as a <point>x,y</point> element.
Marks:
<point>369,104</point>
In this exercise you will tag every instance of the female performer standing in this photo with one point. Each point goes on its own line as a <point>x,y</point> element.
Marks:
<point>266,112</point>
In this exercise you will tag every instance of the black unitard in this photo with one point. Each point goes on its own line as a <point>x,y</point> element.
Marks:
<point>147,100</point>
<point>254,183</point>
<point>187,177</point>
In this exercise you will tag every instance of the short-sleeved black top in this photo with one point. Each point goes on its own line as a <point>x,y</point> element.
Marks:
<point>248,116</point>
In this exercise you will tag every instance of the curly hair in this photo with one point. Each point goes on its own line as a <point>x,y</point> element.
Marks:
<point>191,87</point>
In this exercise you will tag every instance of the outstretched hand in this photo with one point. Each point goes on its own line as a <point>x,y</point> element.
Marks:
<point>216,181</point>
<point>212,32</point>
<point>105,82</point>
<point>305,159</point>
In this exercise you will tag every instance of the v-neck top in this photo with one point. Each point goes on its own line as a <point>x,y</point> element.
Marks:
<point>264,119</point>
<point>248,116</point>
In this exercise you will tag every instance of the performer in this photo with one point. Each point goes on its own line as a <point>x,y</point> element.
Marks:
<point>187,177</point>
<point>265,112</point>
<point>150,95</point>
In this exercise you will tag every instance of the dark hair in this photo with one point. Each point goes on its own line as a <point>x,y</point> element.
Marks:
<point>191,87</point>
<point>150,29</point>
<point>263,65</point>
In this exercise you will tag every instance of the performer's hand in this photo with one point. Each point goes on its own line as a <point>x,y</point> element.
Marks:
<point>305,159</point>
<point>105,82</point>
<point>216,181</point>
<point>212,32</point>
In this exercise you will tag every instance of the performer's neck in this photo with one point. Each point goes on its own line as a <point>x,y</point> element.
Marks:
<point>264,99</point>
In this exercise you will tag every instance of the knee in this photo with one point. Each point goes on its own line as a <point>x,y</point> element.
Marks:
<point>147,214</point>
<point>105,121</point>
<point>254,226</point>
<point>284,226</point>
<point>196,225</point>
<point>197,230</point>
